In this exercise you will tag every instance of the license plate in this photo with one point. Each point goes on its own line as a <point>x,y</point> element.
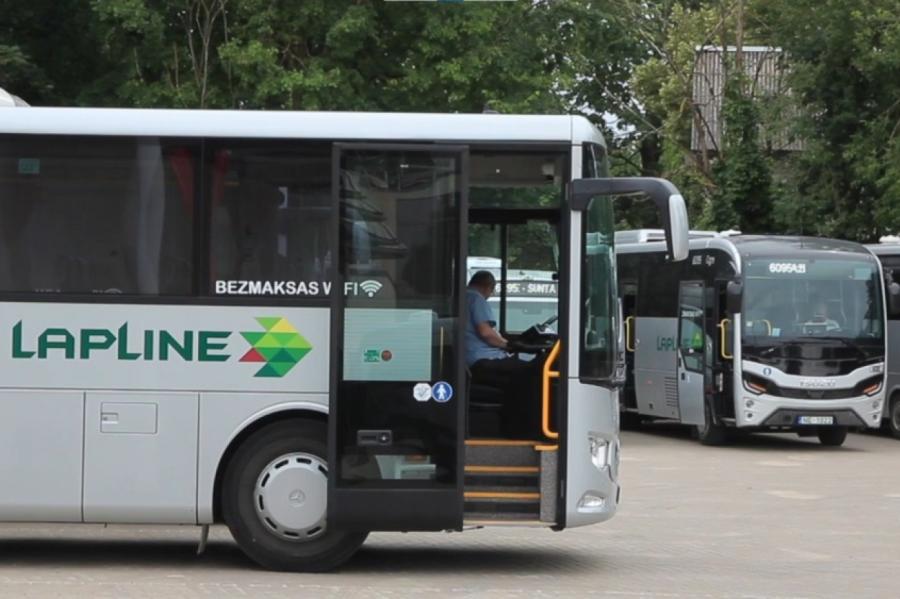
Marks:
<point>817,420</point>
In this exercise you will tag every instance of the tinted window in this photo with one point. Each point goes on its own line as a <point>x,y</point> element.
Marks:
<point>891,267</point>
<point>96,215</point>
<point>270,210</point>
<point>598,292</point>
<point>659,286</point>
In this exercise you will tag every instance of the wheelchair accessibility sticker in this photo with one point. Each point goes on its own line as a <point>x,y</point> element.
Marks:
<point>442,392</point>
<point>422,392</point>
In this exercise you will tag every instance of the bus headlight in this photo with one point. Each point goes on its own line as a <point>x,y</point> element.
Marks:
<point>873,389</point>
<point>755,385</point>
<point>599,450</point>
<point>590,502</point>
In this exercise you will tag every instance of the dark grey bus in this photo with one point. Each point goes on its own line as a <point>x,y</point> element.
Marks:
<point>757,333</point>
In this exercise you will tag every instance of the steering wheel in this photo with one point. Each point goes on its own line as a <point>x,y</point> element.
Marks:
<point>539,336</point>
<point>548,322</point>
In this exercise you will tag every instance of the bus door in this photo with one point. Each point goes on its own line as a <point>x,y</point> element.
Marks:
<point>397,387</point>
<point>693,346</point>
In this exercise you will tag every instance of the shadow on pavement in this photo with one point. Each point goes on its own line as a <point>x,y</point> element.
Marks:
<point>738,440</point>
<point>431,559</point>
<point>374,558</point>
<point>79,553</point>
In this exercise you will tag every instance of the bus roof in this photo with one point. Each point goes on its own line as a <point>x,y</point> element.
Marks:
<point>387,126</point>
<point>757,245</point>
<point>885,248</point>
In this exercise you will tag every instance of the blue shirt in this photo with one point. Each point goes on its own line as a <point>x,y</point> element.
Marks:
<point>476,347</point>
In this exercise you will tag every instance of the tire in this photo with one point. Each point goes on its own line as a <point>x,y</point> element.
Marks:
<point>832,436</point>
<point>893,421</point>
<point>710,433</point>
<point>273,469</point>
<point>629,421</point>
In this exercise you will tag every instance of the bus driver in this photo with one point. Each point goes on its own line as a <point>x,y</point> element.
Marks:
<point>488,359</point>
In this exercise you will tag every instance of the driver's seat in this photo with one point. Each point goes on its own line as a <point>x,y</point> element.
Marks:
<point>486,404</point>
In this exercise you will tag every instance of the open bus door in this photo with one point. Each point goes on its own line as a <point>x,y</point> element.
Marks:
<point>397,387</point>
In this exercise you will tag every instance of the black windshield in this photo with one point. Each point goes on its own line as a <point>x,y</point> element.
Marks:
<point>814,317</point>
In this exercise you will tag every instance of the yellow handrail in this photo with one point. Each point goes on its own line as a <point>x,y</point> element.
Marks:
<point>545,391</point>
<point>628,346</point>
<point>723,326</point>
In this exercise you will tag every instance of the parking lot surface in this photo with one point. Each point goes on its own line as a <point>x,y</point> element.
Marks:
<point>768,516</point>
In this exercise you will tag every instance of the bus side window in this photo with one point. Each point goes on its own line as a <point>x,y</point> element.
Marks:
<point>270,214</point>
<point>97,215</point>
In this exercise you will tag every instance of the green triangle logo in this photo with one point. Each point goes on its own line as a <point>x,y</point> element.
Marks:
<point>280,345</point>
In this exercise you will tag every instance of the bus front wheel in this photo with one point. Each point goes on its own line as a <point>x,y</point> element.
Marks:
<point>832,436</point>
<point>710,433</point>
<point>893,422</point>
<point>274,499</point>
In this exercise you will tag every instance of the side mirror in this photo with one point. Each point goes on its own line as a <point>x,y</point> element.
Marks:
<point>669,203</point>
<point>678,228</point>
<point>734,293</point>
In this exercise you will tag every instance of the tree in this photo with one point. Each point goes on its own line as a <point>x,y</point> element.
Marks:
<point>726,186</point>
<point>845,65</point>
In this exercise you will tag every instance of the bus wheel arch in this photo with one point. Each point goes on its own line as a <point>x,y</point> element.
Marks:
<point>247,430</point>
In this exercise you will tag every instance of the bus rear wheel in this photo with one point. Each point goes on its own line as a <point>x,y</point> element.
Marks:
<point>832,436</point>
<point>274,497</point>
<point>893,421</point>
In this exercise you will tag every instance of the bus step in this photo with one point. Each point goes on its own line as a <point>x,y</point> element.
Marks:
<point>479,482</point>
<point>498,453</point>
<point>492,518</point>
<point>502,496</point>
<point>501,509</point>
<point>490,486</point>
<point>502,476</point>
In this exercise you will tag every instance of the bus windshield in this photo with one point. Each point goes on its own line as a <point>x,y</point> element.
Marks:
<point>794,300</point>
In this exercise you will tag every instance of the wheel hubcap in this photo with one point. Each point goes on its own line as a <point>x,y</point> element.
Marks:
<point>290,496</point>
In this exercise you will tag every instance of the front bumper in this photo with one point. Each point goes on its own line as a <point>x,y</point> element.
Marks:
<point>754,411</point>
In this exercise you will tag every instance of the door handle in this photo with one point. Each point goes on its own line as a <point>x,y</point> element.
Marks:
<point>684,376</point>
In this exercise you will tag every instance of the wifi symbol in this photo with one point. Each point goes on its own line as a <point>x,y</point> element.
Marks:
<point>370,287</point>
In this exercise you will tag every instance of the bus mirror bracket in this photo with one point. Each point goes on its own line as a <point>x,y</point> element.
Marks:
<point>669,203</point>
<point>734,292</point>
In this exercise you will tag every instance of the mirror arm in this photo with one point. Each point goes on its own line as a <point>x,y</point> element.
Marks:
<point>660,191</point>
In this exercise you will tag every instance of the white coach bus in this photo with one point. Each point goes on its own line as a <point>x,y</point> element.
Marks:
<point>174,350</point>
<point>755,333</point>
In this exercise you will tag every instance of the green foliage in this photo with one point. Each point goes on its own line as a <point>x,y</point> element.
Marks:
<point>845,61</point>
<point>630,58</point>
<point>743,198</point>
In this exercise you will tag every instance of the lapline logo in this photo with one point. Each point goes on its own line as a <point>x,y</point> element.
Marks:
<point>278,347</point>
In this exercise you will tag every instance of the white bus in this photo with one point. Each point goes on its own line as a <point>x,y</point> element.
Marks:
<point>888,252</point>
<point>177,352</point>
<point>756,333</point>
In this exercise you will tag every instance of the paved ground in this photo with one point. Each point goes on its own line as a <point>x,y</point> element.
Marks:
<point>770,516</point>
